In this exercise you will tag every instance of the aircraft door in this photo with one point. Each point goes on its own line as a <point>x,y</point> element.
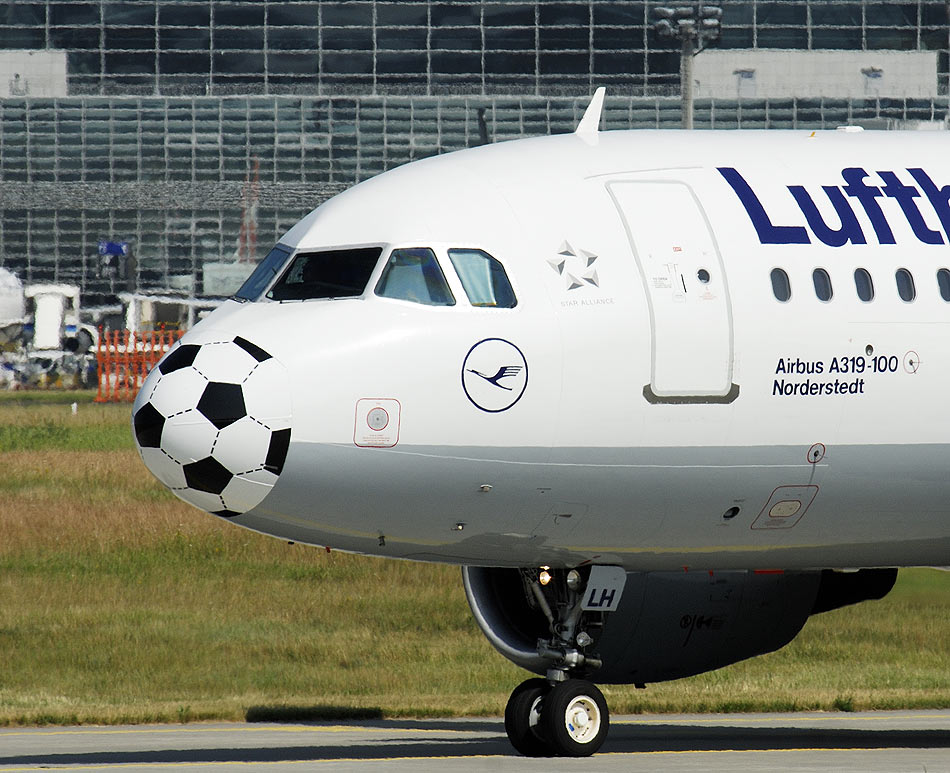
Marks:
<point>686,289</point>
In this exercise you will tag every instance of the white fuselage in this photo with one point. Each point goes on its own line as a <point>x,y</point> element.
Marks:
<point>667,410</point>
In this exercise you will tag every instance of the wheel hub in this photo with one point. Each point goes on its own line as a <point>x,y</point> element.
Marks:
<point>582,719</point>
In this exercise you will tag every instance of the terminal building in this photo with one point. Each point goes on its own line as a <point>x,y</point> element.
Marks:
<point>192,134</point>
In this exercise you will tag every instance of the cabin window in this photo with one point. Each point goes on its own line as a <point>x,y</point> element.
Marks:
<point>863,284</point>
<point>483,278</point>
<point>263,274</point>
<point>943,282</point>
<point>905,285</point>
<point>781,288</point>
<point>822,284</point>
<point>329,274</point>
<point>415,275</point>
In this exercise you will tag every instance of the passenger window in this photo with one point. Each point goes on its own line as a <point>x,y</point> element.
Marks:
<point>483,278</point>
<point>414,275</point>
<point>905,285</point>
<point>822,284</point>
<point>943,282</point>
<point>330,274</point>
<point>863,284</point>
<point>781,288</point>
<point>262,275</point>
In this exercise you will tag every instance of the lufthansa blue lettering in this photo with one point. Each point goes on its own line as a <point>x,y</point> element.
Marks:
<point>868,196</point>
<point>904,195</point>
<point>768,233</point>
<point>939,197</point>
<point>848,229</point>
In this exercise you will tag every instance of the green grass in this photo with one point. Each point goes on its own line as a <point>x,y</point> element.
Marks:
<point>32,397</point>
<point>118,603</point>
<point>35,424</point>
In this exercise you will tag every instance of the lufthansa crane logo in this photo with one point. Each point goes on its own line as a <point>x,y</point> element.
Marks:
<point>503,372</point>
<point>494,375</point>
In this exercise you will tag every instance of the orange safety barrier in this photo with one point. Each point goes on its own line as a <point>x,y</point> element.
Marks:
<point>124,358</point>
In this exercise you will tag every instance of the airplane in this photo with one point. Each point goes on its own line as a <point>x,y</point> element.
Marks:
<point>662,395</point>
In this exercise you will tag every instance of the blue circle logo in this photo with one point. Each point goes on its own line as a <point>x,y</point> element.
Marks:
<point>494,375</point>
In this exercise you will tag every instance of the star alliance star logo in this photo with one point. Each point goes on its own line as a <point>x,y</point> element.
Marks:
<point>576,266</point>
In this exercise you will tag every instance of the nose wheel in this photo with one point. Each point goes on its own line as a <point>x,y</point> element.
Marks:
<point>523,718</point>
<point>569,719</point>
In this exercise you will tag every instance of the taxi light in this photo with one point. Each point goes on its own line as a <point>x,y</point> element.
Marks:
<point>573,579</point>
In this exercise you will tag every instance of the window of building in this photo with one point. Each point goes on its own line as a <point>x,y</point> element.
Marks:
<point>415,275</point>
<point>330,274</point>
<point>863,284</point>
<point>822,284</point>
<point>905,285</point>
<point>943,282</point>
<point>781,288</point>
<point>483,278</point>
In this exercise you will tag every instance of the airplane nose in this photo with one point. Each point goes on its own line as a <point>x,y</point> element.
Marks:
<point>212,422</point>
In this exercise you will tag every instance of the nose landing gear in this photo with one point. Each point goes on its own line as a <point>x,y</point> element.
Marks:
<point>567,719</point>
<point>559,716</point>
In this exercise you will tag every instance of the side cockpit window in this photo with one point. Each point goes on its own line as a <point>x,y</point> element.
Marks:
<point>263,274</point>
<point>328,274</point>
<point>414,275</point>
<point>483,278</point>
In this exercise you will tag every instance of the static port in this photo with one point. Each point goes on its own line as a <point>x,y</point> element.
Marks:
<point>731,513</point>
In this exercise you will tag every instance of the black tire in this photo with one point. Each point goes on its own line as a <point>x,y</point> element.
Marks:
<point>575,718</point>
<point>523,718</point>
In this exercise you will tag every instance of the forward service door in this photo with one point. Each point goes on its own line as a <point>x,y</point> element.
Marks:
<point>686,288</point>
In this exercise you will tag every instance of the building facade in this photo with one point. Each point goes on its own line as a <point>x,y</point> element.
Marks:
<point>178,47</point>
<point>199,131</point>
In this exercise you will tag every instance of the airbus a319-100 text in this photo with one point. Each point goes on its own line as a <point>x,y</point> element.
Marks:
<point>661,394</point>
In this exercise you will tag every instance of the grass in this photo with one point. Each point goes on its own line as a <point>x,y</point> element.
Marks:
<point>40,421</point>
<point>118,603</point>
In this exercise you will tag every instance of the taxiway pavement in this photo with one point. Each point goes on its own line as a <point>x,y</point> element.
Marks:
<point>869,742</point>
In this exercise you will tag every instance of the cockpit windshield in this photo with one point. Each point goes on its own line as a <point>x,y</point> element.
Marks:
<point>414,275</point>
<point>483,278</point>
<point>329,274</point>
<point>266,270</point>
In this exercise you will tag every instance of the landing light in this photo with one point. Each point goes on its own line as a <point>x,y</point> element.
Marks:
<point>545,576</point>
<point>573,579</point>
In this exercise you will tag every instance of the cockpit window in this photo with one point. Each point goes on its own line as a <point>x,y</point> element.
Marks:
<point>330,274</point>
<point>262,275</point>
<point>483,278</point>
<point>414,275</point>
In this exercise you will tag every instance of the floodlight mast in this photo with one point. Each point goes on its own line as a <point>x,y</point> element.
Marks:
<point>694,26</point>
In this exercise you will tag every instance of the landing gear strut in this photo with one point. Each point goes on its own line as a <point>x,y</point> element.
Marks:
<point>559,716</point>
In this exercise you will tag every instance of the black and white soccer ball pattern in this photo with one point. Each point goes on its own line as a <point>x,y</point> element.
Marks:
<point>212,422</point>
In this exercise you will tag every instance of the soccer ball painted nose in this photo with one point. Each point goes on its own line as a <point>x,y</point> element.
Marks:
<point>212,422</point>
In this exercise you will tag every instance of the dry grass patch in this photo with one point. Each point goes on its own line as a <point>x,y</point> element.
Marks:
<point>118,603</point>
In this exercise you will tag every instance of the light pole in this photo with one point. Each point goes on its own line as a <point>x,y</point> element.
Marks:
<point>694,26</point>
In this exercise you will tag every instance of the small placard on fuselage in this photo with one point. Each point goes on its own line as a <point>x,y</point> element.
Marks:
<point>377,423</point>
<point>604,589</point>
